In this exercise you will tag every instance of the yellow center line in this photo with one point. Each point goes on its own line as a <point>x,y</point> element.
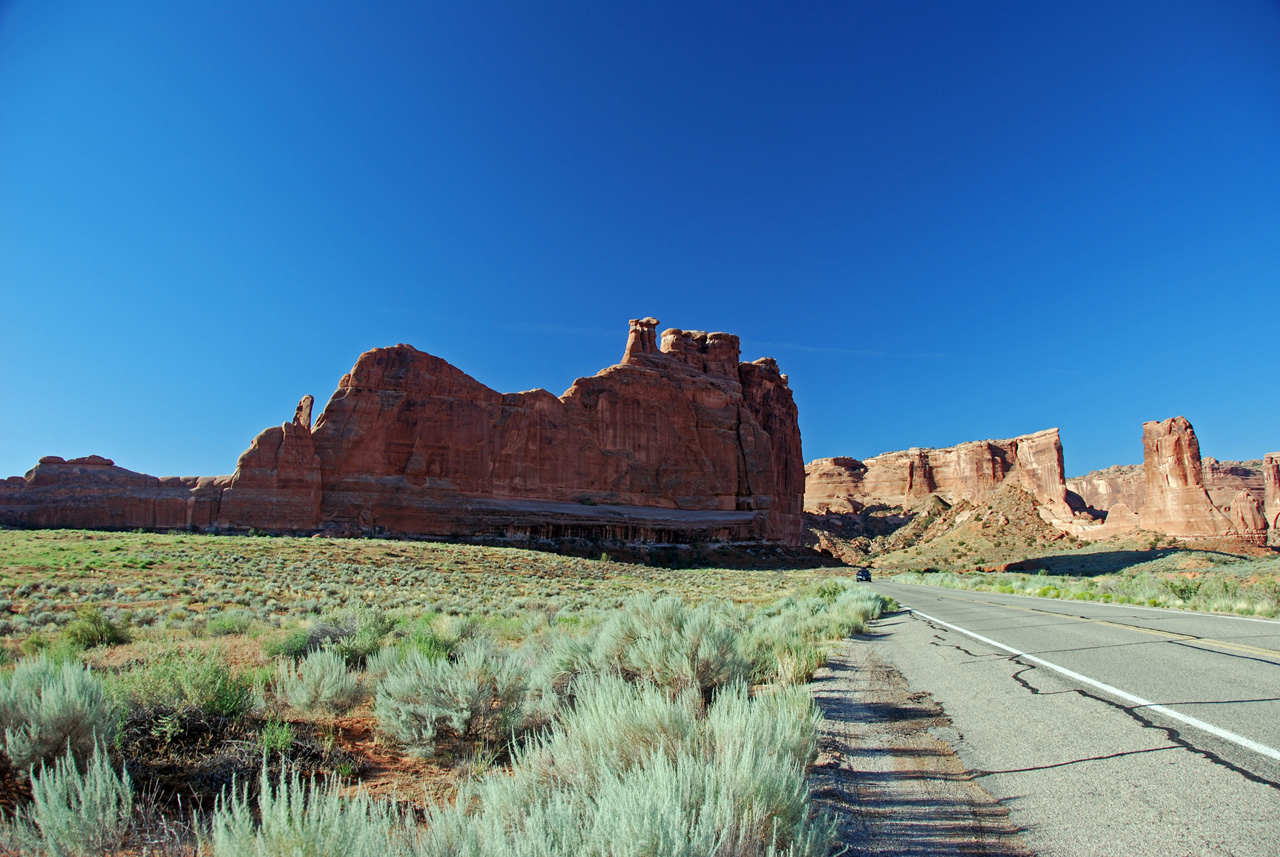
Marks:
<point>1170,636</point>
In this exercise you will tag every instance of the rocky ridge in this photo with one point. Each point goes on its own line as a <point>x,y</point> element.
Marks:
<point>970,471</point>
<point>680,442</point>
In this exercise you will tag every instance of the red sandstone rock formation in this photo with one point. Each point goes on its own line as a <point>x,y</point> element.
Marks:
<point>1127,483</point>
<point>92,492</point>
<point>1271,475</point>
<point>970,471</point>
<point>1247,518</point>
<point>679,442</point>
<point>1176,502</point>
<point>277,482</point>
<point>1103,489</point>
<point>684,428</point>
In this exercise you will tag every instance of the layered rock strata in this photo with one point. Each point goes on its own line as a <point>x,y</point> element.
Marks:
<point>970,471</point>
<point>679,442</point>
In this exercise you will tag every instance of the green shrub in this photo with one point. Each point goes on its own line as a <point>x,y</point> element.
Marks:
<point>356,634</point>
<point>323,684</point>
<point>479,696</point>
<point>92,628</point>
<point>292,645</point>
<point>48,708</point>
<point>187,679</point>
<point>313,820</point>
<point>228,623</point>
<point>73,814</point>
<point>277,736</point>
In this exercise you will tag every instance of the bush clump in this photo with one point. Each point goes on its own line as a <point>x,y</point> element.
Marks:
<point>49,708</point>
<point>73,814</point>
<point>322,685</point>
<point>92,628</point>
<point>479,696</point>
<point>181,680</point>
<point>306,820</point>
<point>630,764</point>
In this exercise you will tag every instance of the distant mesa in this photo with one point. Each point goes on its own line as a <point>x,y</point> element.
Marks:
<point>680,442</point>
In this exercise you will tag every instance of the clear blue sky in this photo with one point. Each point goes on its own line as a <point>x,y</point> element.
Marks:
<point>947,221</point>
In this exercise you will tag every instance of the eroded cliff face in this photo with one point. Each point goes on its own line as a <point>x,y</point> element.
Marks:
<point>1127,483</point>
<point>1176,502</point>
<point>1103,489</point>
<point>970,471</point>
<point>1271,479</point>
<point>679,442</point>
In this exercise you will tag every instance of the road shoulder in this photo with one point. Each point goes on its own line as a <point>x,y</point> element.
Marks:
<point>887,770</point>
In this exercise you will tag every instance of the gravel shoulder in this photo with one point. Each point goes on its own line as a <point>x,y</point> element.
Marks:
<point>886,768</point>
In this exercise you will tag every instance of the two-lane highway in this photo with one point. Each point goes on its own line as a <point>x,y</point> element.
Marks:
<point>1106,729</point>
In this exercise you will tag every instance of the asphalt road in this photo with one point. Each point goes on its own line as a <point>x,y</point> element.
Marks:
<point>1110,730</point>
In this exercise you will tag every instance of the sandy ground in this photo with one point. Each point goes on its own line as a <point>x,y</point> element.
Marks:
<point>887,771</point>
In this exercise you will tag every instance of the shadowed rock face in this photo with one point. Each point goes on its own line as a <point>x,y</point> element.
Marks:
<point>970,471</point>
<point>1176,501</point>
<point>679,442</point>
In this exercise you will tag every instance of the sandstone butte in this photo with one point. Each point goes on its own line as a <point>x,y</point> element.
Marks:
<point>679,442</point>
<point>970,471</point>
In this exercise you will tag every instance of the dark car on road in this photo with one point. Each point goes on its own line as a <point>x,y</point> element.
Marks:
<point>864,575</point>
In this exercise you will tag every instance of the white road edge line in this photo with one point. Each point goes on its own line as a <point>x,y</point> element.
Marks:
<point>1172,612</point>
<point>1240,740</point>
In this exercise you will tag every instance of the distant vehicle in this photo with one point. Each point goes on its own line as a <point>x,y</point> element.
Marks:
<point>864,575</point>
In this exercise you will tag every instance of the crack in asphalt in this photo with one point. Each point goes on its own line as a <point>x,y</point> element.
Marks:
<point>1173,735</point>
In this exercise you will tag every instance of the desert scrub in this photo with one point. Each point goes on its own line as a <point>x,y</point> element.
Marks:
<point>49,708</point>
<point>630,767</point>
<point>478,696</point>
<point>1195,580</point>
<point>663,642</point>
<point>355,634</point>
<point>73,814</point>
<point>92,628</point>
<point>180,680</point>
<point>293,819</point>
<point>321,685</point>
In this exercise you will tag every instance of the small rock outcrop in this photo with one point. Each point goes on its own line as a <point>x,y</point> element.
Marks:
<point>970,471</point>
<point>680,442</point>
<point>1176,501</point>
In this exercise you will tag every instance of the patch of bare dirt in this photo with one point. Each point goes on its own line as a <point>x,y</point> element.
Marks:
<point>887,772</point>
